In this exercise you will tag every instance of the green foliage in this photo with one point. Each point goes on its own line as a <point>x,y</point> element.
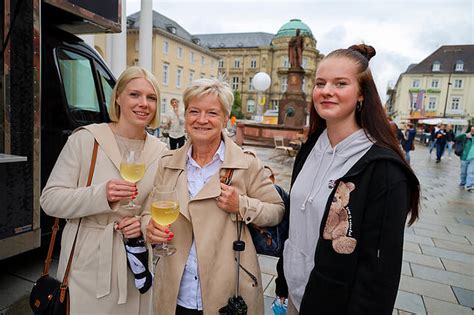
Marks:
<point>237,106</point>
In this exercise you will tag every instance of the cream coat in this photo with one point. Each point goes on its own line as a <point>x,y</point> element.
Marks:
<point>99,282</point>
<point>215,230</point>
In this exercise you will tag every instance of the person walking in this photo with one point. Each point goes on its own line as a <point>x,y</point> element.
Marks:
<point>467,159</point>
<point>175,124</point>
<point>197,278</point>
<point>432,143</point>
<point>351,193</point>
<point>440,137</point>
<point>449,140</point>
<point>409,143</point>
<point>99,280</point>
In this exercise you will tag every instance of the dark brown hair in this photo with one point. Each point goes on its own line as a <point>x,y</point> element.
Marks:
<point>371,117</point>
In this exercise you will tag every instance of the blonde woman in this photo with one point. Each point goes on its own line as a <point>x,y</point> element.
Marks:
<point>99,281</point>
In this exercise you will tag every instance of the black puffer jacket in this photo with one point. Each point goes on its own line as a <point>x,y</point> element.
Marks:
<point>366,280</point>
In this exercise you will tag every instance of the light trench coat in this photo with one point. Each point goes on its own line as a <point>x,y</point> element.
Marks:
<point>214,231</point>
<point>99,281</point>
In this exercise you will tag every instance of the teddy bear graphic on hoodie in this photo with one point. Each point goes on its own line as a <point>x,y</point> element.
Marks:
<point>339,224</point>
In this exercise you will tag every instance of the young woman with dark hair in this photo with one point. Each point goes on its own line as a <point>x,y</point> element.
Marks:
<point>351,193</point>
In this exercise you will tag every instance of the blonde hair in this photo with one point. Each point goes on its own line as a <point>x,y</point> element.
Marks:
<point>217,87</point>
<point>128,75</point>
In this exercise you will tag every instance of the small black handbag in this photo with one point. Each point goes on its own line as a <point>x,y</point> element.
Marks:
<point>50,296</point>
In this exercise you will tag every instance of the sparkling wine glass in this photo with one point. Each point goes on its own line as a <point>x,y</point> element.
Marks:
<point>132,169</point>
<point>164,211</point>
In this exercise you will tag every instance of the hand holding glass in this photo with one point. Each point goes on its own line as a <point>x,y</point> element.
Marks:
<point>132,169</point>
<point>164,211</point>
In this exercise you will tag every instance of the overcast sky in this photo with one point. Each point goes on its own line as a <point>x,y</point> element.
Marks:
<point>403,32</point>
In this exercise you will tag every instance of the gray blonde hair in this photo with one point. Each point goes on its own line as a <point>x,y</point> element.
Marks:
<point>217,87</point>
<point>128,75</point>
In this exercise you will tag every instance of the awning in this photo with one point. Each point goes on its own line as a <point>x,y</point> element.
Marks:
<point>447,121</point>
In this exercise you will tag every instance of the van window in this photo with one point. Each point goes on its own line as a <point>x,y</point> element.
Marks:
<point>78,81</point>
<point>107,85</point>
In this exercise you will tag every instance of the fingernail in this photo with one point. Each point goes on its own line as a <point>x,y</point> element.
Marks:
<point>169,238</point>
<point>133,197</point>
<point>167,231</point>
<point>171,234</point>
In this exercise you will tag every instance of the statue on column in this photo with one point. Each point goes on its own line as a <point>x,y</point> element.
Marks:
<point>295,50</point>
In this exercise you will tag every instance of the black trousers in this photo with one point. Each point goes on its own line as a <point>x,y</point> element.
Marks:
<point>186,311</point>
<point>176,143</point>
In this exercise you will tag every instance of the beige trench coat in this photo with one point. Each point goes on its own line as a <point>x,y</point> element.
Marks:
<point>99,282</point>
<point>215,230</point>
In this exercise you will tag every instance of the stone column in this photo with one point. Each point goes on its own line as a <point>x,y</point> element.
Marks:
<point>146,35</point>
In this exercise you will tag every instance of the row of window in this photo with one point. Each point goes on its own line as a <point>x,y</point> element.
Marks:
<point>253,63</point>
<point>283,84</point>
<point>179,54</point>
<point>455,103</point>
<point>435,83</point>
<point>179,75</point>
<point>458,66</point>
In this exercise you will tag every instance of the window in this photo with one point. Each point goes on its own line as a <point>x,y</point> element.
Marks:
<point>221,63</point>
<point>203,60</point>
<point>459,66</point>
<point>458,83</point>
<point>435,83</point>
<point>302,84</point>
<point>415,83</point>
<point>165,47</point>
<point>180,52</point>
<point>191,57</point>
<point>107,85</point>
<point>436,66</point>
<point>283,85</point>
<point>432,103</point>
<point>203,75</point>
<point>137,45</point>
<point>166,68</point>
<point>253,63</point>
<point>77,77</point>
<point>250,84</point>
<point>250,106</point>
<point>212,63</point>
<point>413,100</point>
<point>285,62</point>
<point>235,83</point>
<point>275,104</point>
<point>179,73</point>
<point>237,63</point>
<point>305,62</point>
<point>191,76</point>
<point>455,102</point>
<point>164,102</point>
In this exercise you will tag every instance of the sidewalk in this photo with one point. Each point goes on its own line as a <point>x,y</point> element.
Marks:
<point>438,262</point>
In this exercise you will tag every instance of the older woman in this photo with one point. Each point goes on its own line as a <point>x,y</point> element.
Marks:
<point>197,279</point>
<point>99,281</point>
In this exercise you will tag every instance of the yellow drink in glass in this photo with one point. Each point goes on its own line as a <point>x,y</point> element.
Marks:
<point>132,172</point>
<point>164,212</point>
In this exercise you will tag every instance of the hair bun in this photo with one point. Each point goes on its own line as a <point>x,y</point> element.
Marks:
<point>365,50</point>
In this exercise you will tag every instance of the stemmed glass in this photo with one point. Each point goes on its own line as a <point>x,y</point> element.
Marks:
<point>132,169</point>
<point>164,211</point>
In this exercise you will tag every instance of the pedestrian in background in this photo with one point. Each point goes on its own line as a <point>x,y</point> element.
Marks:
<point>351,192</point>
<point>440,137</point>
<point>99,280</point>
<point>449,140</point>
<point>175,125</point>
<point>467,159</point>
<point>432,144</point>
<point>409,143</point>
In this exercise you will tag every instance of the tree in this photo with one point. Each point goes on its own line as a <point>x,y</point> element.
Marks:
<point>237,106</point>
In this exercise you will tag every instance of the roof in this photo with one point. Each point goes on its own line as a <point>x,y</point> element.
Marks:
<point>160,21</point>
<point>235,40</point>
<point>289,29</point>
<point>447,56</point>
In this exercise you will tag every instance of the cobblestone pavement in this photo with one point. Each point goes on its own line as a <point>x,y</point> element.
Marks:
<point>438,261</point>
<point>438,254</point>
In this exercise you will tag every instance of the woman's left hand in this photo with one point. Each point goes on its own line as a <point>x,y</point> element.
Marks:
<point>130,227</point>
<point>229,199</point>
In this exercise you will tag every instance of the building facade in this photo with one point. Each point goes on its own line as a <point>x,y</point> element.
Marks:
<point>440,86</point>
<point>177,58</point>
<point>242,55</point>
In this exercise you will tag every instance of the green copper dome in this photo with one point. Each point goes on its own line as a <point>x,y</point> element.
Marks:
<point>289,29</point>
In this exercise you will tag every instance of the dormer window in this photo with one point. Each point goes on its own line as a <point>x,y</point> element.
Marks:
<point>436,66</point>
<point>459,66</point>
<point>171,29</point>
<point>196,41</point>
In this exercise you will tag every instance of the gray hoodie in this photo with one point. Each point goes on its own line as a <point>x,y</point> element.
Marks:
<point>308,199</point>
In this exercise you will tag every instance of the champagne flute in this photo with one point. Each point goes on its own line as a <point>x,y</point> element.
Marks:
<point>164,211</point>
<point>132,169</point>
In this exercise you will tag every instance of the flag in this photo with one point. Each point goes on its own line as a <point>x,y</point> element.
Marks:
<point>419,99</point>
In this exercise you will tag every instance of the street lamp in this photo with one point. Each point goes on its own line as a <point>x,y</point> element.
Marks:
<point>451,70</point>
<point>261,81</point>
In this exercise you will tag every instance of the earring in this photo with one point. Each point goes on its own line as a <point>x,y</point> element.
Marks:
<point>359,106</point>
